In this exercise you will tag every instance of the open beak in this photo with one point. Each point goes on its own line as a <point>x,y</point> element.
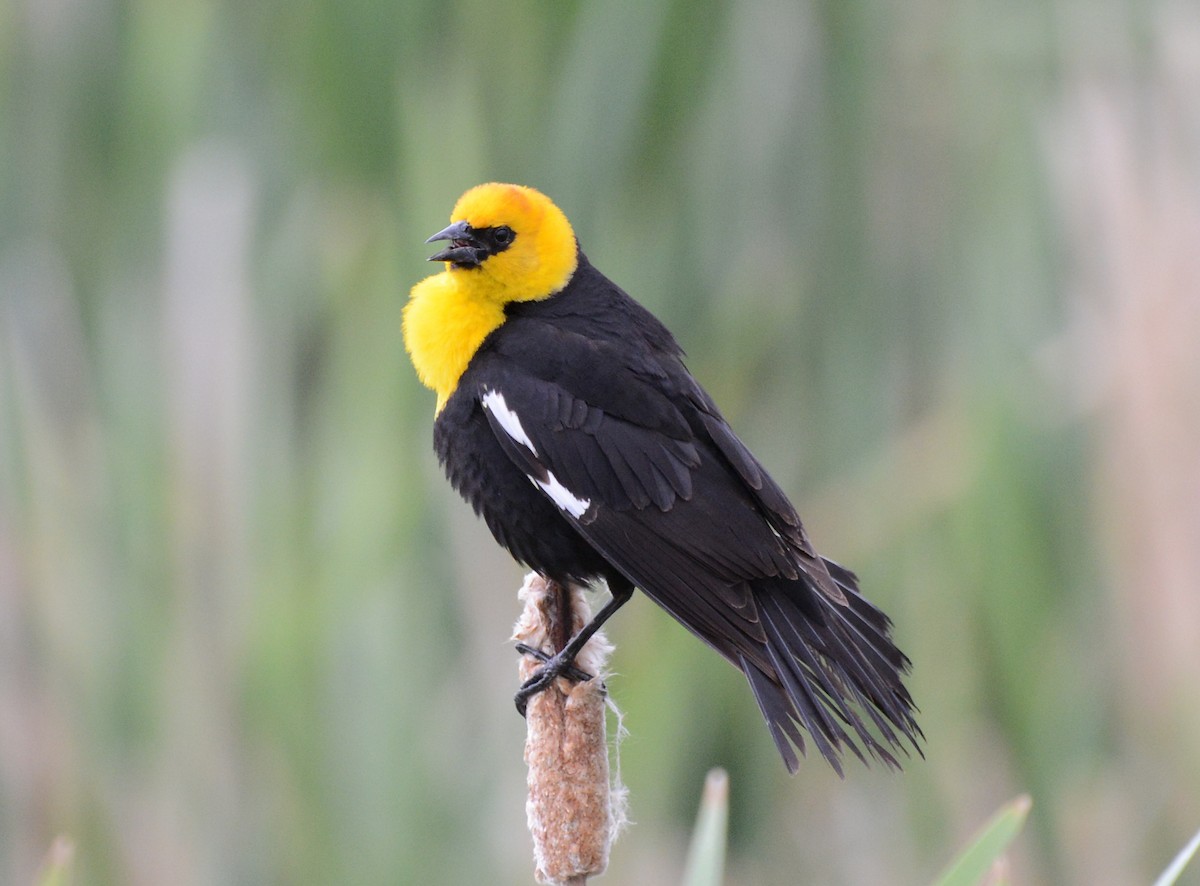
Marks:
<point>464,250</point>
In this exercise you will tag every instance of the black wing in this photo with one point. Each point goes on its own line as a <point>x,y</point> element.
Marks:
<point>637,458</point>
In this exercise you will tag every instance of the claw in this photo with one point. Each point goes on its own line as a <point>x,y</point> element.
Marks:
<point>569,671</point>
<point>553,668</point>
<point>563,664</point>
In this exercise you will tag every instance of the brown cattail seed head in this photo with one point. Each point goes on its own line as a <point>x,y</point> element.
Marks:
<point>570,810</point>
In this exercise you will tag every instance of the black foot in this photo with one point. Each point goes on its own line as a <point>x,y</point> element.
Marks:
<point>553,668</point>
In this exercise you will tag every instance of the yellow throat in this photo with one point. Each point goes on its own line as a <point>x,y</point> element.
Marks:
<point>449,314</point>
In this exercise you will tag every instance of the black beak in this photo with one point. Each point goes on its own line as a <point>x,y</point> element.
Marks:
<point>464,250</point>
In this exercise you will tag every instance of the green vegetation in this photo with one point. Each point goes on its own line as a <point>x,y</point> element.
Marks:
<point>935,261</point>
<point>706,854</point>
<point>981,858</point>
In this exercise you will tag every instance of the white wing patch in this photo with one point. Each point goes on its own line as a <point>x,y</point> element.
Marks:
<point>493,402</point>
<point>510,423</point>
<point>562,496</point>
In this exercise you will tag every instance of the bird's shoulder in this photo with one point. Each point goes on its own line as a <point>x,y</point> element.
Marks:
<point>598,348</point>
<point>594,306</point>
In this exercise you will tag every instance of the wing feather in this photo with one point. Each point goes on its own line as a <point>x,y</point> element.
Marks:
<point>642,465</point>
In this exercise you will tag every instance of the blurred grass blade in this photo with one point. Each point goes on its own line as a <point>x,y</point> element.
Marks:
<point>976,860</point>
<point>706,855</point>
<point>1171,874</point>
<point>56,869</point>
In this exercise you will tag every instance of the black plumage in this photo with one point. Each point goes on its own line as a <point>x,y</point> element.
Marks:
<point>589,450</point>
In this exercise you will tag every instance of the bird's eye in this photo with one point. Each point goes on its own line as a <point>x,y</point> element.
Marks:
<point>503,235</point>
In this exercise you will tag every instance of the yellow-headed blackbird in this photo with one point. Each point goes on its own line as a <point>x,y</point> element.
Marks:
<point>566,417</point>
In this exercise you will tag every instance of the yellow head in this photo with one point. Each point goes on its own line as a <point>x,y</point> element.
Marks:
<point>507,243</point>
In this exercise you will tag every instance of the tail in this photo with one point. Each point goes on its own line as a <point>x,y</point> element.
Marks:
<point>833,664</point>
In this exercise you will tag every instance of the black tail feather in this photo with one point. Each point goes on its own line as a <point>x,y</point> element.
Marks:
<point>838,674</point>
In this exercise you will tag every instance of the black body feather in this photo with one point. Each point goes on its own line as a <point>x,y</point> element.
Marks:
<point>672,502</point>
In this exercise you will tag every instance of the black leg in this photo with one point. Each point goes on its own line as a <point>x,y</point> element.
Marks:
<point>564,662</point>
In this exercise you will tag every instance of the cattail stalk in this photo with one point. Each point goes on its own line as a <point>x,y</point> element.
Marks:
<point>573,810</point>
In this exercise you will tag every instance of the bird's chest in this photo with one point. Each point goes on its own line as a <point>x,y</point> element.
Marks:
<point>519,516</point>
<point>444,327</point>
<point>473,459</point>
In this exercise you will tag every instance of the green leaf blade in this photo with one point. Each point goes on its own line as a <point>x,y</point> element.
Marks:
<point>974,862</point>
<point>706,855</point>
<point>1175,868</point>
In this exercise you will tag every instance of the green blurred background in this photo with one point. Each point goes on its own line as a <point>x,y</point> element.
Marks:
<point>939,263</point>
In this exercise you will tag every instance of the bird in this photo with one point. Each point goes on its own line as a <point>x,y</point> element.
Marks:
<point>567,419</point>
